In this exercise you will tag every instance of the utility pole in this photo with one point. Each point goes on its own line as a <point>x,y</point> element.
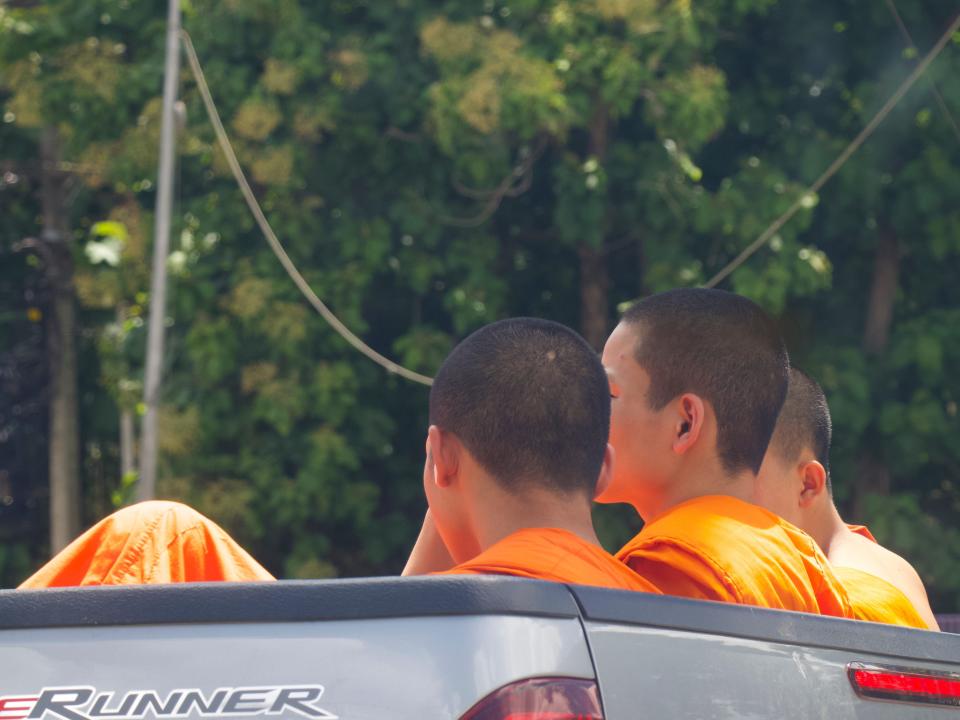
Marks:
<point>147,483</point>
<point>65,496</point>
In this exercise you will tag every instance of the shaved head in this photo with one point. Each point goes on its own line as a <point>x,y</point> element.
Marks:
<point>724,348</point>
<point>529,399</point>
<point>804,422</point>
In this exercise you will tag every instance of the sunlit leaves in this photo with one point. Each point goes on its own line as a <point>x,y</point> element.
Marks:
<point>690,105</point>
<point>279,77</point>
<point>256,119</point>
<point>488,83</point>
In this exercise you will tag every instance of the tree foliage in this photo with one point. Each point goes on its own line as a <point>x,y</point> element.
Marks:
<point>433,166</point>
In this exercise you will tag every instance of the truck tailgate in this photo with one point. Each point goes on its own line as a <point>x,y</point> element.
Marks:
<point>423,651</point>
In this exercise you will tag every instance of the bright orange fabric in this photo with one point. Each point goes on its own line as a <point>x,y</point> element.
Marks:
<point>149,543</point>
<point>862,531</point>
<point>553,554</point>
<point>719,548</point>
<point>876,600</point>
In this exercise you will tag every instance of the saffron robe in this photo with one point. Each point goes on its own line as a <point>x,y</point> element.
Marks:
<point>874,598</point>
<point>863,531</point>
<point>717,547</point>
<point>556,555</point>
<point>149,543</point>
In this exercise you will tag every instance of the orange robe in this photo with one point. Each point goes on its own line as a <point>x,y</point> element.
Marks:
<point>862,531</point>
<point>553,554</point>
<point>717,547</point>
<point>875,599</point>
<point>149,543</point>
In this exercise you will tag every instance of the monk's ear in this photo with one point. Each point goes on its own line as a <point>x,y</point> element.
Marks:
<point>606,472</point>
<point>690,417</point>
<point>443,453</point>
<point>813,478</point>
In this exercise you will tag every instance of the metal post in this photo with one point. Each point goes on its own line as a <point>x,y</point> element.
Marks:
<point>147,483</point>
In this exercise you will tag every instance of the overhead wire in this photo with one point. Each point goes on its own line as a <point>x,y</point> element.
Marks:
<point>841,160</point>
<point>934,88</point>
<point>719,277</point>
<point>271,237</point>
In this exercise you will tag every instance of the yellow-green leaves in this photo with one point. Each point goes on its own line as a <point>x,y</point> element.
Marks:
<point>640,16</point>
<point>350,68</point>
<point>690,105</point>
<point>279,77</point>
<point>490,83</point>
<point>256,119</point>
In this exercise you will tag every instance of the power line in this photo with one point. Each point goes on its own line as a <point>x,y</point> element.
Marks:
<point>938,96</point>
<point>271,237</point>
<point>731,267</point>
<point>841,159</point>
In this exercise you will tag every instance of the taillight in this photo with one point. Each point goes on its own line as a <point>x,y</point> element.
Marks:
<point>905,684</point>
<point>540,699</point>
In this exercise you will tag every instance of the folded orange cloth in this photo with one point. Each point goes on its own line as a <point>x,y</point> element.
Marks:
<point>149,543</point>
<point>717,547</point>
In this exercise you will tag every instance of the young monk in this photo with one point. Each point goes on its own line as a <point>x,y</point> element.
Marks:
<point>515,453</point>
<point>149,543</point>
<point>794,482</point>
<point>697,379</point>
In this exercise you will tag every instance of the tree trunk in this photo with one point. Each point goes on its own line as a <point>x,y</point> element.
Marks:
<point>883,292</point>
<point>128,460</point>
<point>873,475</point>
<point>128,464</point>
<point>64,456</point>
<point>594,278</point>
<point>594,295</point>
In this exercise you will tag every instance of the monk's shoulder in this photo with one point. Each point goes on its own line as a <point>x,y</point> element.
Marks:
<point>902,568</point>
<point>906,577</point>
<point>677,566</point>
<point>714,536</point>
<point>695,519</point>
<point>716,525</point>
<point>876,600</point>
<point>725,548</point>
<point>861,554</point>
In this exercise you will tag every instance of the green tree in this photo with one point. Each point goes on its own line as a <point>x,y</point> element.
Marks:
<point>433,166</point>
<point>878,334</point>
<point>74,80</point>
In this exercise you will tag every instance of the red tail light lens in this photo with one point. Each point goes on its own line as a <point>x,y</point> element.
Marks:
<point>540,699</point>
<point>905,684</point>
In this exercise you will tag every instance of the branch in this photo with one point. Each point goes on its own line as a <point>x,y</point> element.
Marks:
<point>64,166</point>
<point>402,135</point>
<point>517,182</point>
<point>618,245</point>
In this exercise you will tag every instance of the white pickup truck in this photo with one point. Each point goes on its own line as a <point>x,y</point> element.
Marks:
<point>468,648</point>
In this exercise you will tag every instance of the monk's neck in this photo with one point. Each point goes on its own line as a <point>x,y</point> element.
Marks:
<point>504,516</point>
<point>712,481</point>
<point>826,526</point>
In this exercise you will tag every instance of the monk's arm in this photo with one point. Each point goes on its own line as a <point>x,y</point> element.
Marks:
<point>429,554</point>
